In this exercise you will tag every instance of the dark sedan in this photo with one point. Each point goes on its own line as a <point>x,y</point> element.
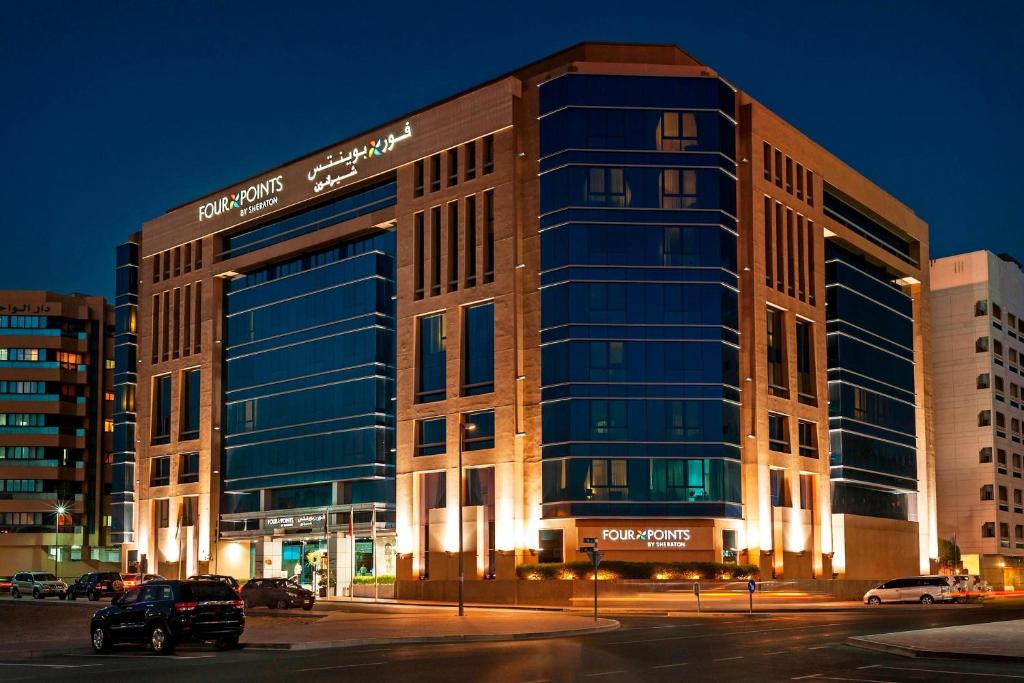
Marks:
<point>278,593</point>
<point>164,613</point>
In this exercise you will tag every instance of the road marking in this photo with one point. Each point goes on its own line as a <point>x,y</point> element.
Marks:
<point>669,666</point>
<point>342,666</point>
<point>606,673</point>
<point>863,680</point>
<point>726,659</point>
<point>780,652</point>
<point>800,678</point>
<point>52,666</point>
<point>818,647</point>
<point>939,671</point>
<point>729,633</point>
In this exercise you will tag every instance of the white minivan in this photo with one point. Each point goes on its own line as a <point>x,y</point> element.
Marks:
<point>923,589</point>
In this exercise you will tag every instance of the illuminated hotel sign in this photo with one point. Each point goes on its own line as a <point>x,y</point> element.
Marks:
<point>292,522</point>
<point>249,200</point>
<point>377,147</point>
<point>631,538</point>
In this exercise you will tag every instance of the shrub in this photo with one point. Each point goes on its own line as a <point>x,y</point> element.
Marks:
<point>383,579</point>
<point>661,571</point>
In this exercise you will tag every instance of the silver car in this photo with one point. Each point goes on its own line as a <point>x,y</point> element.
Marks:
<point>923,589</point>
<point>38,584</point>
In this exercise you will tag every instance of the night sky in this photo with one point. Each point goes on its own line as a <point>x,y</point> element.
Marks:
<point>111,113</point>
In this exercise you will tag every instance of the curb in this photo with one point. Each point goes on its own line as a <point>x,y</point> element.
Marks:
<point>419,640</point>
<point>866,643</point>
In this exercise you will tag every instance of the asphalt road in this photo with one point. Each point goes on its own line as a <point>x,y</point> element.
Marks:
<point>785,647</point>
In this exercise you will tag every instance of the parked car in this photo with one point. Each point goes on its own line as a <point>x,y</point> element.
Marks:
<point>923,589</point>
<point>226,580</point>
<point>277,593</point>
<point>96,585</point>
<point>134,580</point>
<point>39,585</point>
<point>162,613</point>
<point>5,583</point>
<point>969,587</point>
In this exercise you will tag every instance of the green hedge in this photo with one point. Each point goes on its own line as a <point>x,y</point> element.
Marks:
<point>677,571</point>
<point>384,580</point>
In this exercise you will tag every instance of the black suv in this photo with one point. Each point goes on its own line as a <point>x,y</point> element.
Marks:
<point>164,613</point>
<point>96,585</point>
<point>279,593</point>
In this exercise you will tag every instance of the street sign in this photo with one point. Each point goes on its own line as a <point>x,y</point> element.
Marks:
<point>595,556</point>
<point>696,589</point>
<point>590,540</point>
<point>751,586</point>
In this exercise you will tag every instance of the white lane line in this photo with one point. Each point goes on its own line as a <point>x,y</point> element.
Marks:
<point>800,678</point>
<point>780,652</point>
<point>669,666</point>
<point>939,671</point>
<point>862,680</point>
<point>728,633</point>
<point>538,680</point>
<point>342,666</point>
<point>818,647</point>
<point>726,659</point>
<point>605,673</point>
<point>52,666</point>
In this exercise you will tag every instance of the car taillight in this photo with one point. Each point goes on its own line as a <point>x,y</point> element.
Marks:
<point>239,603</point>
<point>185,606</point>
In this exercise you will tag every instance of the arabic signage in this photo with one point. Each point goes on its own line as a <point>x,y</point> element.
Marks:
<point>248,200</point>
<point>348,163</point>
<point>296,521</point>
<point>24,309</point>
<point>660,537</point>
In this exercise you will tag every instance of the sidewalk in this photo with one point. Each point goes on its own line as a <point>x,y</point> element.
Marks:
<point>425,625</point>
<point>998,640</point>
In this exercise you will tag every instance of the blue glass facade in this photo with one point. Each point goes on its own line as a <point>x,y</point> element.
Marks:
<point>872,424</point>
<point>309,355</point>
<point>126,310</point>
<point>639,332</point>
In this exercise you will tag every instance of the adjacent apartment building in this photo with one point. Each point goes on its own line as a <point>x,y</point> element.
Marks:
<point>977,305</point>
<point>56,406</point>
<point>605,295</point>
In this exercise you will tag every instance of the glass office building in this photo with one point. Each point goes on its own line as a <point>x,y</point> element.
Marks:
<point>606,295</point>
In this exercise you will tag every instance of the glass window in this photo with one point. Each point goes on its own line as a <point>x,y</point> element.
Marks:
<point>986,492</point>
<point>453,166</point>
<point>417,179</point>
<point>478,355</point>
<point>981,307</point>
<point>806,491</point>
<point>189,510</point>
<point>779,489</point>
<point>985,455</point>
<point>983,380</point>
<point>479,430</point>
<point>607,480</point>
<point>435,173</point>
<point>430,436</point>
<point>808,439</point>
<point>778,432</point>
<point>432,359</point>
<point>162,409</point>
<point>805,359</point>
<point>190,404</point>
<point>988,530</point>
<point>479,486</point>
<point>777,376</point>
<point>160,471</point>
<point>470,171</point>
<point>488,154</point>
<point>550,546</point>
<point>163,513</point>
<point>985,418</point>
<point>981,344</point>
<point>188,468</point>
<point>433,490</point>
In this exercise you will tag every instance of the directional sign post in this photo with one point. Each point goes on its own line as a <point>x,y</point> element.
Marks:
<point>595,558</point>
<point>696,591</point>
<point>751,587</point>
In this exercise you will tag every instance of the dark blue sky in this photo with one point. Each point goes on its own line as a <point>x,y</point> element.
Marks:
<point>113,112</point>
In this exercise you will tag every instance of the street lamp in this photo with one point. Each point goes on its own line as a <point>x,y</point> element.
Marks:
<point>463,428</point>
<point>58,511</point>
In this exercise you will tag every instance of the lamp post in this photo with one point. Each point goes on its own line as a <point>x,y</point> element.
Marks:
<point>463,428</point>
<point>57,512</point>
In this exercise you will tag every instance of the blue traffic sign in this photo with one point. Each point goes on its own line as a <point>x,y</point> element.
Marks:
<point>751,586</point>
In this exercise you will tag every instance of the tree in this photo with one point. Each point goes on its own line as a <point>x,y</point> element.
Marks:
<point>949,554</point>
